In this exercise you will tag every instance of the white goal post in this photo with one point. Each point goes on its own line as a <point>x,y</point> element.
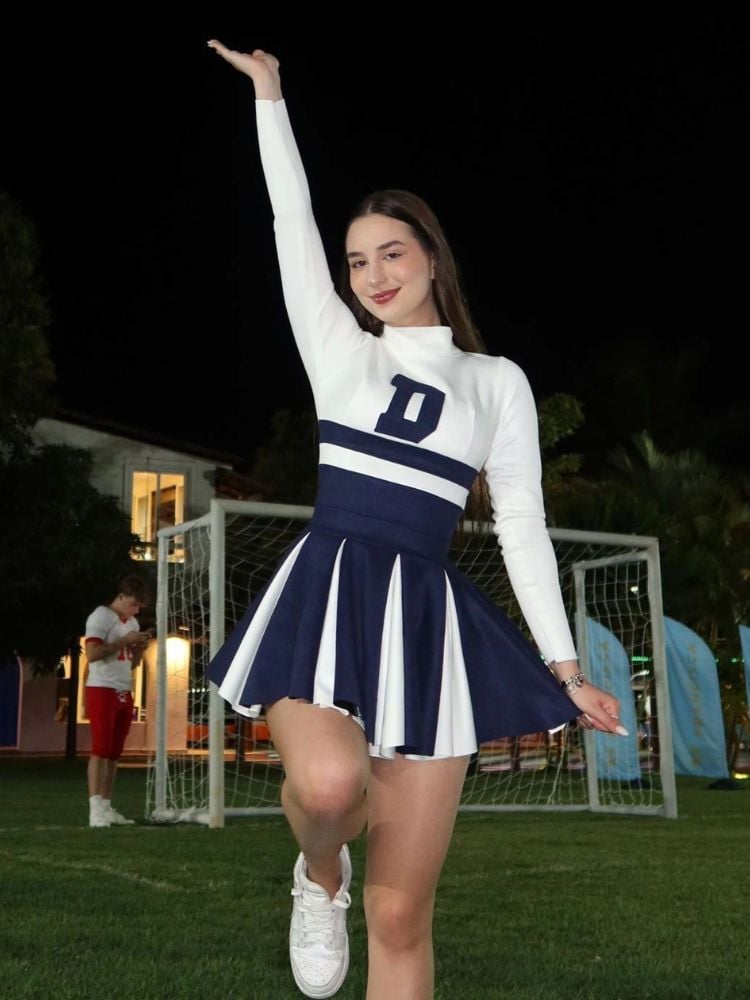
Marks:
<point>211,763</point>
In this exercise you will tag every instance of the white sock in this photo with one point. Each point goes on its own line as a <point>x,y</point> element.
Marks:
<point>96,803</point>
<point>107,803</point>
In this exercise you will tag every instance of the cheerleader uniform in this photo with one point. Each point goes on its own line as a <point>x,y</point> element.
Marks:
<point>365,612</point>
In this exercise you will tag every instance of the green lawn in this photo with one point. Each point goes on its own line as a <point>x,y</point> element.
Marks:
<point>531,905</point>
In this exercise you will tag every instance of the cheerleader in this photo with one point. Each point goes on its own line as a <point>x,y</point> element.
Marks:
<point>380,668</point>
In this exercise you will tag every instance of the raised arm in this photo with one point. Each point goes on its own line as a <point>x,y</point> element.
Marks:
<point>260,66</point>
<point>324,328</point>
<point>514,476</point>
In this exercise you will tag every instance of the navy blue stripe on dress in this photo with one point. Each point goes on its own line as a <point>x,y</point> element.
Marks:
<point>516,693</point>
<point>353,504</point>
<point>396,451</point>
<point>284,664</point>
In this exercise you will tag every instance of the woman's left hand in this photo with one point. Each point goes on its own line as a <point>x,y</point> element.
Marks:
<point>599,709</point>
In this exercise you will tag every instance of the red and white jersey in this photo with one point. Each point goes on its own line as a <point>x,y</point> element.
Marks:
<point>104,626</point>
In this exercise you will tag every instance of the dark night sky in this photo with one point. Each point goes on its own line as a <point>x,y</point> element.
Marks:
<point>592,178</point>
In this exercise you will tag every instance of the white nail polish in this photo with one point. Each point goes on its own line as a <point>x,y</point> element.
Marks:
<point>622,731</point>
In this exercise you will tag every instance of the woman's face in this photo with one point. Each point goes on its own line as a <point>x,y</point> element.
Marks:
<point>390,272</point>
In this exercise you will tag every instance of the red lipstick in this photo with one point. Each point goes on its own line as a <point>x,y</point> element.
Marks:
<point>382,297</point>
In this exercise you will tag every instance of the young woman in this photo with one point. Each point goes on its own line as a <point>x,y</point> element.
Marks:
<point>379,666</point>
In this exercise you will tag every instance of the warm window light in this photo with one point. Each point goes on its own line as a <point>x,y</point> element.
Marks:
<point>178,654</point>
<point>157,501</point>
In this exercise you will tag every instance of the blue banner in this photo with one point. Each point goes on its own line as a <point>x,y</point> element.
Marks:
<point>745,642</point>
<point>10,685</point>
<point>697,721</point>
<point>609,668</point>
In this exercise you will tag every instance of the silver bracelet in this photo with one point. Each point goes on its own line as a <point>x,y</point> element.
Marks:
<point>572,684</point>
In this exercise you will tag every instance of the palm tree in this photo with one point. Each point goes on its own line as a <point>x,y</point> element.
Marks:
<point>702,521</point>
<point>701,516</point>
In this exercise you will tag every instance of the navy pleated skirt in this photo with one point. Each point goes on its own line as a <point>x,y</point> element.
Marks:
<point>366,610</point>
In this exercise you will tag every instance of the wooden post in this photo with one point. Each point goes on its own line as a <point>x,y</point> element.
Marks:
<point>71,736</point>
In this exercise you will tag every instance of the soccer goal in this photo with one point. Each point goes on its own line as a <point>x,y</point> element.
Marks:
<point>210,763</point>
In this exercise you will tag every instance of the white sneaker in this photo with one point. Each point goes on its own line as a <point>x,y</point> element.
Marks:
<point>117,819</point>
<point>98,816</point>
<point>318,944</point>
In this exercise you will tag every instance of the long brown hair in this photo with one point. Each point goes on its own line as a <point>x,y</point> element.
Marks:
<point>449,297</point>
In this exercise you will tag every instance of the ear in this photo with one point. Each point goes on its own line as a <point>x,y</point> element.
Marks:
<point>432,267</point>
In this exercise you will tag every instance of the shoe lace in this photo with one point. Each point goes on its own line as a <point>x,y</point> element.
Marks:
<point>316,924</point>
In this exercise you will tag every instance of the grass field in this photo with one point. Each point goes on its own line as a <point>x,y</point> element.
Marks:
<point>531,906</point>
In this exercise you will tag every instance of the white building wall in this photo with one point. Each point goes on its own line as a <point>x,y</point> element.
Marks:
<point>116,458</point>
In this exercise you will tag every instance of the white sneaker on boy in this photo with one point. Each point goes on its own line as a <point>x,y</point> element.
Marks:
<point>115,818</point>
<point>98,815</point>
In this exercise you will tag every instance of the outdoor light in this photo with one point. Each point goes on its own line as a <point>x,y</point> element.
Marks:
<point>178,654</point>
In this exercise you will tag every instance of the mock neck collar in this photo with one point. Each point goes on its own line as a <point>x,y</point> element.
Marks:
<point>423,340</point>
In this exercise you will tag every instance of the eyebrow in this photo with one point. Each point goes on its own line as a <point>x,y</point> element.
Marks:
<point>383,246</point>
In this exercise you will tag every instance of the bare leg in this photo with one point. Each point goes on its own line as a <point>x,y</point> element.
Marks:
<point>97,775</point>
<point>412,809</point>
<point>327,768</point>
<point>109,779</point>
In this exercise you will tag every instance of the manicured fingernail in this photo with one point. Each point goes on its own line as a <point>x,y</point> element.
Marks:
<point>622,731</point>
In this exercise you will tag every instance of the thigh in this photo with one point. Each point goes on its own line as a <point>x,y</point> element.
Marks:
<point>313,741</point>
<point>412,809</point>
<point>101,708</point>
<point>122,723</point>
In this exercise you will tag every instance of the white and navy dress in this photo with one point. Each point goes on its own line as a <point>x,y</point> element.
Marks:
<point>366,610</point>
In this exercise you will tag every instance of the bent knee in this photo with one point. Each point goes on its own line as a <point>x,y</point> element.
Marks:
<point>399,920</point>
<point>328,793</point>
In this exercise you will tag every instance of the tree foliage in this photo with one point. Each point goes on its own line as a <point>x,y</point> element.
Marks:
<point>287,460</point>
<point>26,369</point>
<point>560,416</point>
<point>63,547</point>
<point>697,511</point>
<point>643,381</point>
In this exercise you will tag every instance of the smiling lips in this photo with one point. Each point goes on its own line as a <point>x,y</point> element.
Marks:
<point>382,297</point>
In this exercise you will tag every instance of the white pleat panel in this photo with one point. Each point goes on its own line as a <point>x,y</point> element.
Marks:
<point>392,472</point>
<point>325,666</point>
<point>236,676</point>
<point>389,716</point>
<point>456,734</point>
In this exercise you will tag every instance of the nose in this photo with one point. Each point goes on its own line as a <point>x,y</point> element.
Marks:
<point>375,275</point>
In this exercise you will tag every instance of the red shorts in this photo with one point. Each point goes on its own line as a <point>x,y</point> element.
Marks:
<point>110,713</point>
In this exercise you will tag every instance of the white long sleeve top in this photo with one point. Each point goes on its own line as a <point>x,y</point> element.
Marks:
<point>487,416</point>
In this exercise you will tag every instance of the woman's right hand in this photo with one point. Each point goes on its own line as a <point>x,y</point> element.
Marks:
<point>260,66</point>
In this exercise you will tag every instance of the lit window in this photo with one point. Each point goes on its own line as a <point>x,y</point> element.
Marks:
<point>158,501</point>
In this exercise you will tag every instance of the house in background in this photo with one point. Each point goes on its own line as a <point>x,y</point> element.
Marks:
<point>158,482</point>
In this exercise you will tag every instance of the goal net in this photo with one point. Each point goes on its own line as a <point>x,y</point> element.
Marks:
<point>210,762</point>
